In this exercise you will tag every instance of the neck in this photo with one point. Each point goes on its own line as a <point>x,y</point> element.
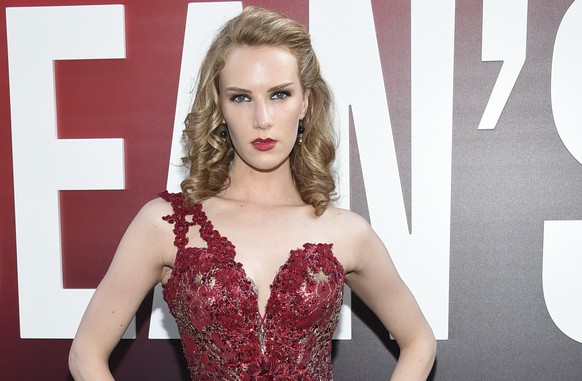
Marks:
<point>274,187</point>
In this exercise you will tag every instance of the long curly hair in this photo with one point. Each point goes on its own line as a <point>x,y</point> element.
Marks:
<point>209,156</point>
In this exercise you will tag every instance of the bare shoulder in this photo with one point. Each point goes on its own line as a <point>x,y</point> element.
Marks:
<point>152,212</point>
<point>351,235</point>
<point>347,223</point>
<point>149,239</point>
<point>149,225</point>
<point>158,203</point>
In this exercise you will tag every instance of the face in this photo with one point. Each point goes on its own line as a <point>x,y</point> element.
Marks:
<point>262,102</point>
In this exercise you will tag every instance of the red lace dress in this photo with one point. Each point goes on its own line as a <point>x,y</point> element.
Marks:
<point>224,336</point>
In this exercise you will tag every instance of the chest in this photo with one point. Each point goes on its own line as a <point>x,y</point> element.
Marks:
<point>226,330</point>
<point>311,279</point>
<point>217,311</point>
<point>263,240</point>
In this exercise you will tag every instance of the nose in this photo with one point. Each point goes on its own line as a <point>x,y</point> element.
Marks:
<point>263,119</point>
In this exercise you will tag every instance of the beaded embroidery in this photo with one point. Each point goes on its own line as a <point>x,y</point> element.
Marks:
<point>224,336</point>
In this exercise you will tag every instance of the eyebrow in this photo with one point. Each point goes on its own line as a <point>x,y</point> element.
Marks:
<point>272,89</point>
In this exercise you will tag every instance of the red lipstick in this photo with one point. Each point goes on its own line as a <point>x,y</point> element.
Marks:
<point>264,144</point>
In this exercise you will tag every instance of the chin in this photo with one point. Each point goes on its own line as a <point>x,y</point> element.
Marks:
<point>268,166</point>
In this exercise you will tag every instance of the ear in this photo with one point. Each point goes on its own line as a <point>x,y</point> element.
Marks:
<point>305,105</point>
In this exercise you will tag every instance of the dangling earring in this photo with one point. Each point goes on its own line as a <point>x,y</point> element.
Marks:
<point>300,131</point>
<point>223,133</point>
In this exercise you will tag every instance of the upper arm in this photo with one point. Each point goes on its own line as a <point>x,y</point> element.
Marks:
<point>376,281</point>
<point>136,267</point>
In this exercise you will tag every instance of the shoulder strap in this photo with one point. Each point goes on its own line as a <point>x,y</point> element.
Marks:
<point>178,217</point>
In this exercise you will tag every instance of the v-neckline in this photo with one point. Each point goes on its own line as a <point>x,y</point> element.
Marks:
<point>207,222</point>
<point>253,285</point>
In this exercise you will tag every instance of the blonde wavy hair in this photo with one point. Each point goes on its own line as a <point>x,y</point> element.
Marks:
<point>208,154</point>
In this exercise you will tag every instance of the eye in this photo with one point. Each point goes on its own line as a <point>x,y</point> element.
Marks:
<point>280,95</point>
<point>240,98</point>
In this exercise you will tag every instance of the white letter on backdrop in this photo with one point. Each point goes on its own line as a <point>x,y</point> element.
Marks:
<point>504,39</point>
<point>562,275</point>
<point>43,164</point>
<point>202,22</point>
<point>562,264</point>
<point>422,257</point>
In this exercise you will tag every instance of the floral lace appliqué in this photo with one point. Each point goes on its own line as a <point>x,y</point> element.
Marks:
<point>224,336</point>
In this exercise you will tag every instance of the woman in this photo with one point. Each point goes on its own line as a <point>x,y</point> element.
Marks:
<point>260,148</point>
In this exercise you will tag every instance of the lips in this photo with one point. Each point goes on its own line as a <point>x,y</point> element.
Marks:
<point>264,144</point>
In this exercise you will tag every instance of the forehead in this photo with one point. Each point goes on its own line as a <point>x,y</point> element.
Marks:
<point>246,66</point>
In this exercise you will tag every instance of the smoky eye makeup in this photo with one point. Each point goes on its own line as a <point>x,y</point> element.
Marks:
<point>239,98</point>
<point>281,94</point>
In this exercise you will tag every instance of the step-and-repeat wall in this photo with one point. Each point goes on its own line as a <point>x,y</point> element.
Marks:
<point>460,126</point>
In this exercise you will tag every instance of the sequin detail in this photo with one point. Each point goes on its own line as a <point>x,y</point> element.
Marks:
<point>224,336</point>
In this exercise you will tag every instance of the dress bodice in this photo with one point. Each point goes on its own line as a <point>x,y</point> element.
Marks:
<point>223,334</point>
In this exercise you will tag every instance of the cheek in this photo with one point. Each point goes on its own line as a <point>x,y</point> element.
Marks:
<point>236,130</point>
<point>295,114</point>
<point>232,119</point>
<point>236,113</point>
<point>225,109</point>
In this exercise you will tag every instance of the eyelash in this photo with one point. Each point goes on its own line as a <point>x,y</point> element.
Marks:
<point>239,98</point>
<point>278,95</point>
